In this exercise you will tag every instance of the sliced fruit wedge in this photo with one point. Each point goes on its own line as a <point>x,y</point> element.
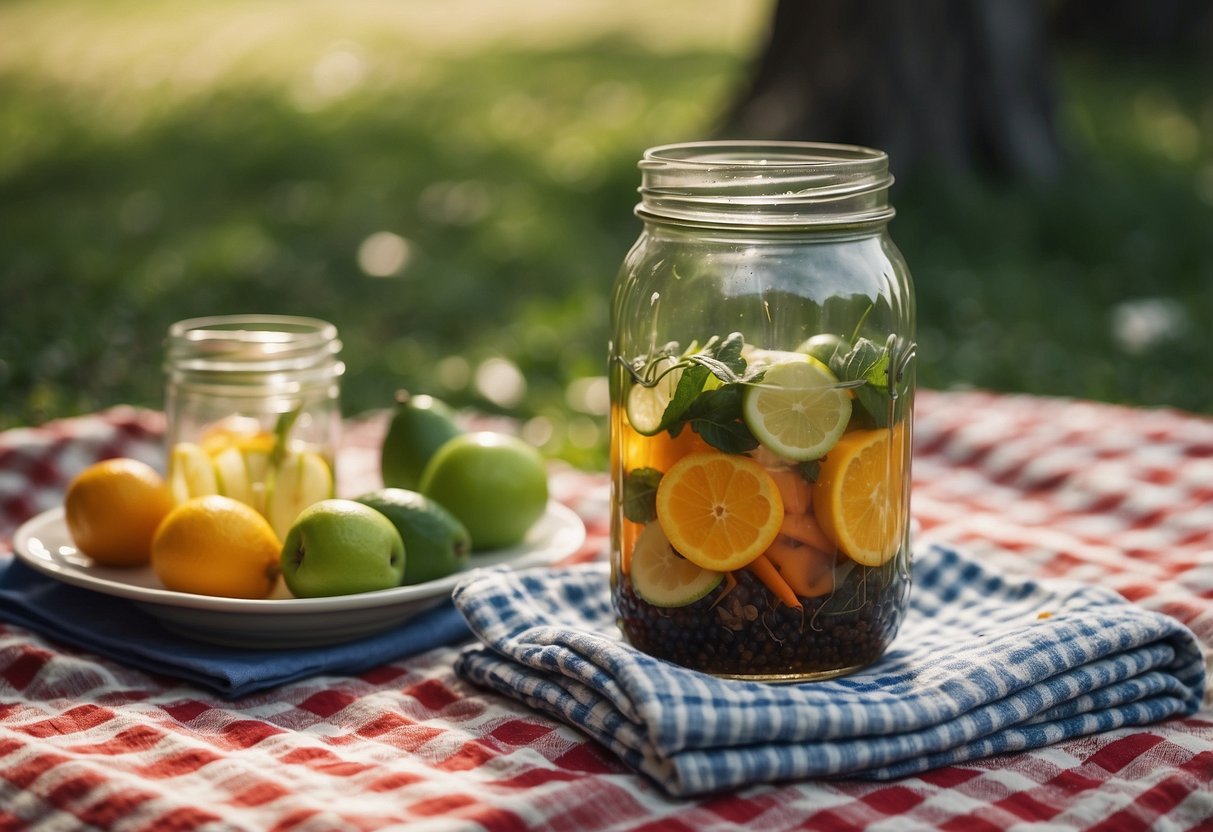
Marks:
<point>662,577</point>
<point>858,496</point>
<point>301,479</point>
<point>191,473</point>
<point>243,432</point>
<point>719,510</point>
<point>798,410</point>
<point>241,474</point>
<point>233,476</point>
<point>646,405</point>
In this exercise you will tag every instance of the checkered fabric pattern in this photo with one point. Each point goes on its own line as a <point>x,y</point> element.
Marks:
<point>1034,487</point>
<point>984,665</point>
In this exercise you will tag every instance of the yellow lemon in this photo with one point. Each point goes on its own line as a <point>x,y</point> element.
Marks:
<point>215,545</point>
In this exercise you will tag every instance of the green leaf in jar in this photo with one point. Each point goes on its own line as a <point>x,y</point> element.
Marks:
<point>717,417</point>
<point>867,362</point>
<point>811,470</point>
<point>718,362</point>
<point>722,358</point>
<point>640,494</point>
<point>718,357</point>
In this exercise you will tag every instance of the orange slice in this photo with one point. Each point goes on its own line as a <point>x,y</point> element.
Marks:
<point>858,496</point>
<point>719,511</point>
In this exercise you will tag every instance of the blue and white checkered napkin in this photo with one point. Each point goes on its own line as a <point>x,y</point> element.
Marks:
<point>976,670</point>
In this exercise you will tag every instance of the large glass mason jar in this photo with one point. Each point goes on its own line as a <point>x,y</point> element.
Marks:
<point>762,379</point>
<point>252,404</point>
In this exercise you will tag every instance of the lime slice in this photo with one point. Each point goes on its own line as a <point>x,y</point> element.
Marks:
<point>646,405</point>
<point>302,479</point>
<point>191,472</point>
<point>797,410</point>
<point>664,578</point>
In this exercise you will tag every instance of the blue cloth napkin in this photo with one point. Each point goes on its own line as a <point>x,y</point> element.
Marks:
<point>118,629</point>
<point>976,670</point>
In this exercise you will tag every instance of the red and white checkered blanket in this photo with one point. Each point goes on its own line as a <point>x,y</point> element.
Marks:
<point>1098,493</point>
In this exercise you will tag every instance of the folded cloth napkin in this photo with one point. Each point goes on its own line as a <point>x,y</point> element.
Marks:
<point>118,629</point>
<point>984,664</point>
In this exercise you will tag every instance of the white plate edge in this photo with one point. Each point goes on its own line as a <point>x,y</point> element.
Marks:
<point>519,557</point>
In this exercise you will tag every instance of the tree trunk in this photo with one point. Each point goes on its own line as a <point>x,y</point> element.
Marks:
<point>958,85</point>
<point>1136,29</point>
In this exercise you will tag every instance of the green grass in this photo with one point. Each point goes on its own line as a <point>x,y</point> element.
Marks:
<point>164,161</point>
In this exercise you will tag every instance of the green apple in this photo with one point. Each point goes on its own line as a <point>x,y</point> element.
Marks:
<point>494,483</point>
<point>341,547</point>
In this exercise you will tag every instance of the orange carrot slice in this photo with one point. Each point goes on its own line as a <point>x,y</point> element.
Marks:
<point>766,572</point>
<point>795,489</point>
<point>804,527</point>
<point>808,571</point>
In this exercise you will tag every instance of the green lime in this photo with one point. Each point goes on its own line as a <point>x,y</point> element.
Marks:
<point>495,483</point>
<point>798,410</point>
<point>663,577</point>
<point>436,542</point>
<point>824,346</point>
<point>419,427</point>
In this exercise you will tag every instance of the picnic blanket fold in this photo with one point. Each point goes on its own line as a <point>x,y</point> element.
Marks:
<point>984,664</point>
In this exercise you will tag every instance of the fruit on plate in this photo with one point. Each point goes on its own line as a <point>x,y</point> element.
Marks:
<point>663,577</point>
<point>112,509</point>
<point>496,485</point>
<point>267,470</point>
<point>215,545</point>
<point>436,542</point>
<point>341,547</point>
<point>419,426</point>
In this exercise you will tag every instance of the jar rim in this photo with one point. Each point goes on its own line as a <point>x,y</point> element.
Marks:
<point>242,327</point>
<point>251,345</point>
<point>775,184</point>
<point>757,152</point>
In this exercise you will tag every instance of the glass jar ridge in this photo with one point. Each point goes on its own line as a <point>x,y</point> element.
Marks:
<point>282,352</point>
<point>773,185</point>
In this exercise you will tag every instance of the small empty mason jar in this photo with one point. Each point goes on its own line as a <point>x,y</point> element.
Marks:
<point>762,379</point>
<point>253,411</point>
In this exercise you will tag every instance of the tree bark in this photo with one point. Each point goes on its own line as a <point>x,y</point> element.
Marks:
<point>1136,29</point>
<point>958,85</point>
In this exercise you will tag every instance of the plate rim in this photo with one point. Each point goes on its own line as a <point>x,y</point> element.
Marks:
<point>520,556</point>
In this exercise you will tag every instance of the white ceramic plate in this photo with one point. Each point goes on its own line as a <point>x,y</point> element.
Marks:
<point>44,543</point>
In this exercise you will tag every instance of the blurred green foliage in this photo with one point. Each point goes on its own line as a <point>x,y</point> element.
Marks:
<point>448,208</point>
